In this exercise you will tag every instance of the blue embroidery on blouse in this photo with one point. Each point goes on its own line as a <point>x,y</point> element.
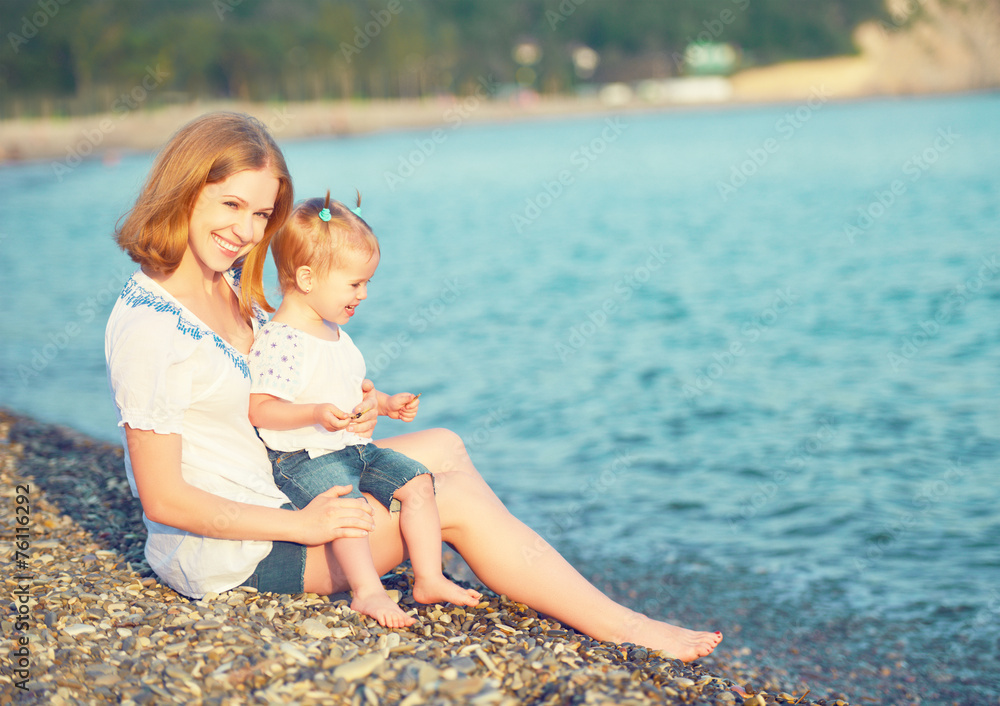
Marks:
<point>235,275</point>
<point>135,295</point>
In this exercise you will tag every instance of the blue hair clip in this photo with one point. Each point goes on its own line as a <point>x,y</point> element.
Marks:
<point>356,211</point>
<point>324,215</point>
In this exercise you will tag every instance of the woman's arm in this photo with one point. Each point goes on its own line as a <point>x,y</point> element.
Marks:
<point>170,500</point>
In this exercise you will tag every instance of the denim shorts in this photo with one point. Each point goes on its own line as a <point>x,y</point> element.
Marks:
<point>368,468</point>
<point>281,571</point>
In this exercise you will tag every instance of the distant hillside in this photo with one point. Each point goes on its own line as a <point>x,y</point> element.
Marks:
<point>934,45</point>
<point>81,56</point>
<point>924,46</point>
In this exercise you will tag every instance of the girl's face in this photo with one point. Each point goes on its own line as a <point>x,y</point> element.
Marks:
<point>229,218</point>
<point>336,293</point>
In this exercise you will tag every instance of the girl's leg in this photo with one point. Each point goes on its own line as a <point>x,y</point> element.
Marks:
<point>512,559</point>
<point>350,562</point>
<point>421,530</point>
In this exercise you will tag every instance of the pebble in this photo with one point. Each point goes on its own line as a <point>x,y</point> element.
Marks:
<point>79,629</point>
<point>359,668</point>
<point>314,628</point>
<point>207,625</point>
<point>105,630</point>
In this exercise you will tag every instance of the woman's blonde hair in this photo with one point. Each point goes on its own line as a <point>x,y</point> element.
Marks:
<point>307,239</point>
<point>207,150</point>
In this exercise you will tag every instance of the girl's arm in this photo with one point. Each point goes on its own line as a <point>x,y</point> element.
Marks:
<point>399,406</point>
<point>170,500</point>
<point>270,412</point>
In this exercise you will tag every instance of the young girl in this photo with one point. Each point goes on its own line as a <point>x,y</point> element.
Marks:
<point>176,347</point>
<point>305,371</point>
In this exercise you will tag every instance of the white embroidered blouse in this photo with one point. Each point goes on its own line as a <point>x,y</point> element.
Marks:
<point>171,374</point>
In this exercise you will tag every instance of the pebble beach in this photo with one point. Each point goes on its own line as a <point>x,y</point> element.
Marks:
<point>86,621</point>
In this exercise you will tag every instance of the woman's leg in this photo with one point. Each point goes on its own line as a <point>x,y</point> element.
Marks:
<point>513,559</point>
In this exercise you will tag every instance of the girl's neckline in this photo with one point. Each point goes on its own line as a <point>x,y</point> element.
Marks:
<point>340,332</point>
<point>148,282</point>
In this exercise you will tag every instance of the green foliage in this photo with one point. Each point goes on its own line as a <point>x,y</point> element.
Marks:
<point>61,56</point>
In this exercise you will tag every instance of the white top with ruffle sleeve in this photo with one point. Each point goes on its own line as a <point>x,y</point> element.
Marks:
<point>171,374</point>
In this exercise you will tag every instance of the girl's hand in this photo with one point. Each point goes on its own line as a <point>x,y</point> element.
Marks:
<point>402,406</point>
<point>365,415</point>
<point>329,517</point>
<point>330,417</point>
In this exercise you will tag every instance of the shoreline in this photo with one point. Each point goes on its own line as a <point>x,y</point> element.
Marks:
<point>96,613</point>
<point>948,48</point>
<point>67,141</point>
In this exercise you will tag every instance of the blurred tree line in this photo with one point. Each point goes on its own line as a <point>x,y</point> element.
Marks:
<point>77,56</point>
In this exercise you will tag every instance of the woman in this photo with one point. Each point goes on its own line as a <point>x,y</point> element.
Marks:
<point>176,344</point>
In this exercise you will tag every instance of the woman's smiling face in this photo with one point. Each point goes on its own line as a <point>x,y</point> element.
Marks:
<point>229,218</point>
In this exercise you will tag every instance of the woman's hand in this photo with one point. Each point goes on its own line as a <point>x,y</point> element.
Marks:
<point>170,500</point>
<point>330,417</point>
<point>366,412</point>
<point>329,517</point>
<point>402,406</point>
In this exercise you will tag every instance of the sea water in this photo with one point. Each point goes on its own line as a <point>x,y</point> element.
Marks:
<point>740,365</point>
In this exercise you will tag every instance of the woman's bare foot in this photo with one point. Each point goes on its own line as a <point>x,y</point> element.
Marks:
<point>377,604</point>
<point>674,641</point>
<point>441,590</point>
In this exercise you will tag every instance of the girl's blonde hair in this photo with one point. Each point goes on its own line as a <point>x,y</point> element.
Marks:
<point>306,239</point>
<point>207,150</point>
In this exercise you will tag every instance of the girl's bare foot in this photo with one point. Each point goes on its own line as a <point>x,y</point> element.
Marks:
<point>441,590</point>
<point>378,605</point>
<point>677,642</point>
